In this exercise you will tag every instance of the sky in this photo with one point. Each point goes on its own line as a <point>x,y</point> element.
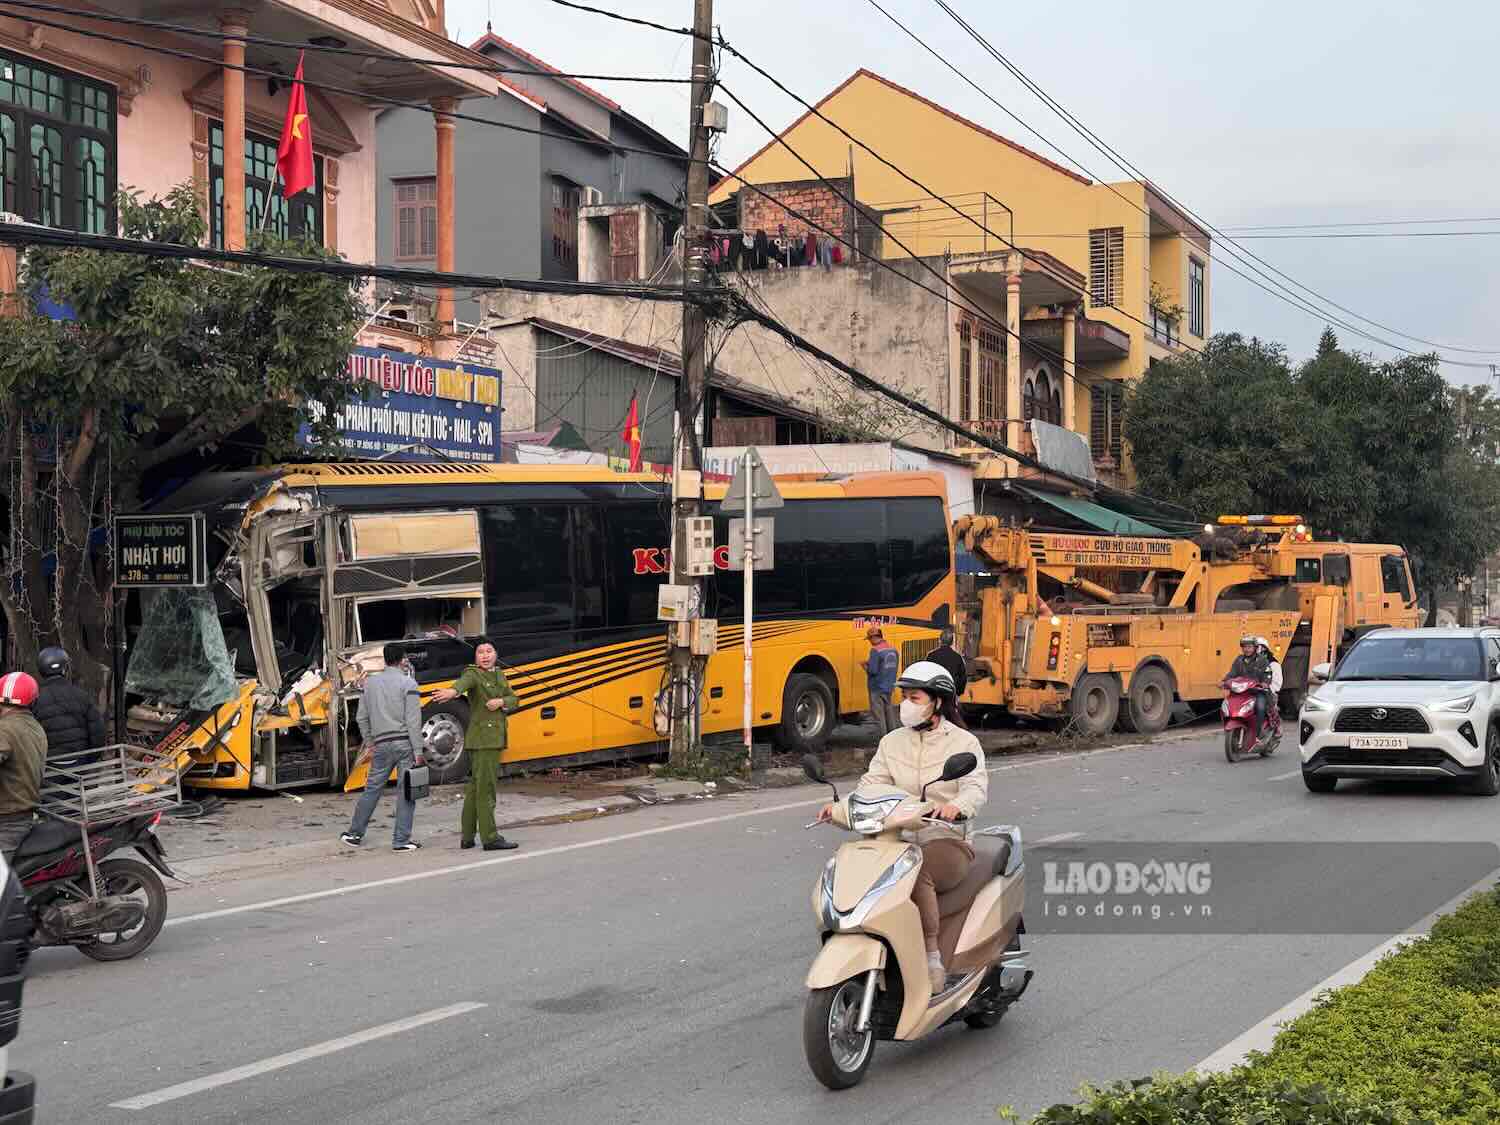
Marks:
<point>1255,113</point>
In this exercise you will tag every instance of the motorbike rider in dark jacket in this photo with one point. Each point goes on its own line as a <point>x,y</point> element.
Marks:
<point>1253,664</point>
<point>67,714</point>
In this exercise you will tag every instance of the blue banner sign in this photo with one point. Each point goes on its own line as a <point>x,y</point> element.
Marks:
<point>415,406</point>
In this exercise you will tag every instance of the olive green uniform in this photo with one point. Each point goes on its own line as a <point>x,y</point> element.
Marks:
<point>23,750</point>
<point>483,741</point>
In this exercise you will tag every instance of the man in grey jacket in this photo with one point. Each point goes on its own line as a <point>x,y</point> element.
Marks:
<point>390,722</point>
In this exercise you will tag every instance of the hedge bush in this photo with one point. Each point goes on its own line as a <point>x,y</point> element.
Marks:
<point>1416,1041</point>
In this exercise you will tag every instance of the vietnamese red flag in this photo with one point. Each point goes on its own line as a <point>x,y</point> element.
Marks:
<point>632,435</point>
<point>294,155</point>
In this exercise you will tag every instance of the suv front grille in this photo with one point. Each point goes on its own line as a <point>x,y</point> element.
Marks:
<point>1389,720</point>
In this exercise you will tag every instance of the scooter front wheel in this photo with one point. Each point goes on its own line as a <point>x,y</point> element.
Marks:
<point>1236,744</point>
<point>837,1054</point>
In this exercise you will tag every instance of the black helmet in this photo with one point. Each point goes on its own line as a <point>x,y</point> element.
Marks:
<point>53,661</point>
<point>929,676</point>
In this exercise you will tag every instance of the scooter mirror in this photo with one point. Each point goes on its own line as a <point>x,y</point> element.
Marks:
<point>960,765</point>
<point>812,765</point>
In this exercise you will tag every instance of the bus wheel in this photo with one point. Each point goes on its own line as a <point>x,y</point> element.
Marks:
<point>1150,702</point>
<point>1095,704</point>
<point>443,727</point>
<point>807,715</point>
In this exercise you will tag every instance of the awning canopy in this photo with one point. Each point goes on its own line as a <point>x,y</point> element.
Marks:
<point>1116,523</point>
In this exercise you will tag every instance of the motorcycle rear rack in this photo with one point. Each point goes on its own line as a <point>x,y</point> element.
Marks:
<point>103,786</point>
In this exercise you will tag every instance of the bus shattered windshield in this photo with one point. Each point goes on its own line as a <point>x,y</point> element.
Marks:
<point>180,657</point>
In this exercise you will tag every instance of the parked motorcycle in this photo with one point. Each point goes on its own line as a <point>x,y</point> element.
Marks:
<point>1240,738</point>
<point>870,980</point>
<point>109,909</point>
<point>95,803</point>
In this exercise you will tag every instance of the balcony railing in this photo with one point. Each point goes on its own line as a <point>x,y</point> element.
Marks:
<point>1164,330</point>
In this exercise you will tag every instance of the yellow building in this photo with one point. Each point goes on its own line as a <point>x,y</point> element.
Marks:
<point>1144,265</point>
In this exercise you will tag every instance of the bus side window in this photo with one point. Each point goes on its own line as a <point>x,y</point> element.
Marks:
<point>919,547</point>
<point>845,542</point>
<point>782,590</point>
<point>528,571</point>
<point>635,540</point>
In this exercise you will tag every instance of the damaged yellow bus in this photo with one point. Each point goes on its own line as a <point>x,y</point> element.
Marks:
<point>254,679</point>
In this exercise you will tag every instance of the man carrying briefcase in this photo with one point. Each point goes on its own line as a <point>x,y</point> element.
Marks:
<point>390,722</point>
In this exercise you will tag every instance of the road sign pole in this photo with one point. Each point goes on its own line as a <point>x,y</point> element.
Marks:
<point>749,711</point>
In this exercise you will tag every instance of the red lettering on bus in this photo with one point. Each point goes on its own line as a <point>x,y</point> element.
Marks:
<point>721,558</point>
<point>648,560</point>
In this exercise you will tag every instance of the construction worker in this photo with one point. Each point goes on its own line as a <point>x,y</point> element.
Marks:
<point>23,754</point>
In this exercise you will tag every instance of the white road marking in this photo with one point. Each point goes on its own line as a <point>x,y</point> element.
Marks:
<point>1262,1035</point>
<point>1283,776</point>
<point>1056,839</point>
<point>562,849</point>
<point>292,1058</point>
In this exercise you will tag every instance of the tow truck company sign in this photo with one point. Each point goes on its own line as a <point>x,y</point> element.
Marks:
<point>1090,550</point>
<point>436,404</point>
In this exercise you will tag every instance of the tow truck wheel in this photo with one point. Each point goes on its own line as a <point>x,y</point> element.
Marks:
<point>1149,707</point>
<point>1095,704</point>
<point>443,728</point>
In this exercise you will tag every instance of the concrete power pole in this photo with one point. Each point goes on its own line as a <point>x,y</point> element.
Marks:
<point>687,477</point>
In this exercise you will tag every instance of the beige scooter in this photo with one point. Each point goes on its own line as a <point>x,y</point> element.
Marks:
<point>870,981</point>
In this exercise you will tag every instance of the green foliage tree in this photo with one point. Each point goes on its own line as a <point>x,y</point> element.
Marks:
<point>164,361</point>
<point>1366,450</point>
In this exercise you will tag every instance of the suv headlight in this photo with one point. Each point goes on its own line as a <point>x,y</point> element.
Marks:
<point>1459,705</point>
<point>1313,703</point>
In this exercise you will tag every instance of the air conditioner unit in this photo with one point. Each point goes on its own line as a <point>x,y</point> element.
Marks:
<point>593,197</point>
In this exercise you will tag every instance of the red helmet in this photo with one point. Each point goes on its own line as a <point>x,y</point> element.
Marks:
<point>17,689</point>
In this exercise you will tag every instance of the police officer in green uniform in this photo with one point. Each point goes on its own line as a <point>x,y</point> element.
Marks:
<point>490,698</point>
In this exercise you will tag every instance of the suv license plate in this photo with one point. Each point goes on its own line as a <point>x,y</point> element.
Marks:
<point>1376,742</point>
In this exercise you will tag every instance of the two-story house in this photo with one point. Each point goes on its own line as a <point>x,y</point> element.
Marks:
<point>525,189</point>
<point>1110,273</point>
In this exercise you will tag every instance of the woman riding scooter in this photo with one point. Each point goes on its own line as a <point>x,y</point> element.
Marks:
<point>912,756</point>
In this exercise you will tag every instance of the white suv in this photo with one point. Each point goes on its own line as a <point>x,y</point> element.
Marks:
<point>1407,703</point>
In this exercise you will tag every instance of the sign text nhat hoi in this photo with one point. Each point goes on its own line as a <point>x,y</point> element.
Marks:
<point>159,551</point>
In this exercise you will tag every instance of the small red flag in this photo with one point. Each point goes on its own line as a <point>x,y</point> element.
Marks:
<point>294,156</point>
<point>632,435</point>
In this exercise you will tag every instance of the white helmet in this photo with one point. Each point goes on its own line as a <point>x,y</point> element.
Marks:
<point>928,676</point>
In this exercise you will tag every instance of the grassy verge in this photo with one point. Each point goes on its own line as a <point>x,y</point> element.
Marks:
<point>1417,1040</point>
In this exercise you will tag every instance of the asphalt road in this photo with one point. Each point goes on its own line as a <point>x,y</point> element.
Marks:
<point>649,967</point>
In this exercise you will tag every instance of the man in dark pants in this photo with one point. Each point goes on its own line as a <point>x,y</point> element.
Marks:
<point>950,659</point>
<point>390,722</point>
<point>23,753</point>
<point>67,714</point>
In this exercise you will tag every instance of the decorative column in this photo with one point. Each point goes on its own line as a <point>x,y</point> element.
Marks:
<point>234,22</point>
<point>1013,406</point>
<point>1070,365</point>
<point>443,117</point>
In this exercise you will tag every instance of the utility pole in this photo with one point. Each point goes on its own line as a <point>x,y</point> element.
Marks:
<point>687,477</point>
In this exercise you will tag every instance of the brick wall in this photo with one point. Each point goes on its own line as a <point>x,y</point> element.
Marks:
<point>807,197</point>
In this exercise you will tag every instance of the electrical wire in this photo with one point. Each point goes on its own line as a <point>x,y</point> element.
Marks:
<point>1280,293</point>
<point>1105,149</point>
